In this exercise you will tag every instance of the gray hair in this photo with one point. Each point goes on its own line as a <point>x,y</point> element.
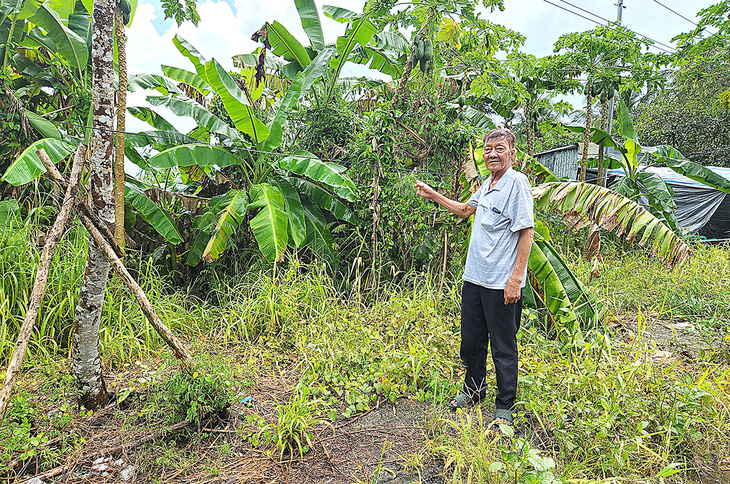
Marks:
<point>501,133</point>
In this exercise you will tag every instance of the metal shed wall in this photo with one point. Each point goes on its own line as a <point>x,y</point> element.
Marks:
<point>562,161</point>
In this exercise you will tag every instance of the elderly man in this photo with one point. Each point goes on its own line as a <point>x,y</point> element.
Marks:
<point>495,273</point>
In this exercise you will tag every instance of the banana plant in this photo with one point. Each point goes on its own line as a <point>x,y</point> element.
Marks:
<point>639,181</point>
<point>287,193</point>
<point>361,43</point>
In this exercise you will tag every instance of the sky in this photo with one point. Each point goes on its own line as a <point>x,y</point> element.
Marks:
<point>226,26</point>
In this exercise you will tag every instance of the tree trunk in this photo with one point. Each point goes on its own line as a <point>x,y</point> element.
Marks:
<point>85,359</point>
<point>587,137</point>
<point>100,233</point>
<point>604,118</point>
<point>530,132</point>
<point>119,141</point>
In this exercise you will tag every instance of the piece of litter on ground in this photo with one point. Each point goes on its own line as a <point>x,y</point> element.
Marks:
<point>247,401</point>
<point>662,355</point>
<point>126,473</point>
<point>679,326</point>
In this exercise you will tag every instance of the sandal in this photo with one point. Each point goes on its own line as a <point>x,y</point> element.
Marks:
<point>504,414</point>
<point>460,400</point>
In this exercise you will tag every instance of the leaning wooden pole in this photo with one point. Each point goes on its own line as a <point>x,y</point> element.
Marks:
<point>41,278</point>
<point>177,347</point>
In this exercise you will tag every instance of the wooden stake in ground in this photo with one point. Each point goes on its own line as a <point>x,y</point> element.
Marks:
<point>39,287</point>
<point>177,347</point>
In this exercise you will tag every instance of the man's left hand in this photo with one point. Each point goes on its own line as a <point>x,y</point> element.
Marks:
<point>512,292</point>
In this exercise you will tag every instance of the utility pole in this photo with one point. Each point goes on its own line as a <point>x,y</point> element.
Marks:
<point>619,13</point>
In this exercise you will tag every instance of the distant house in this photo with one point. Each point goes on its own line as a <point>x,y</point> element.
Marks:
<point>701,210</point>
<point>565,161</point>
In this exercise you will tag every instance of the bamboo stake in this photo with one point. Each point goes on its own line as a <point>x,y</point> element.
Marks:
<point>81,205</point>
<point>41,278</point>
<point>104,242</point>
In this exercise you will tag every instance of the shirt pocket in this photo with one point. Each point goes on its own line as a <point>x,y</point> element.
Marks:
<point>493,217</point>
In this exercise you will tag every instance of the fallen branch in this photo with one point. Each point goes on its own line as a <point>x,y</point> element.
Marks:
<point>149,311</point>
<point>113,450</point>
<point>41,278</point>
<point>412,133</point>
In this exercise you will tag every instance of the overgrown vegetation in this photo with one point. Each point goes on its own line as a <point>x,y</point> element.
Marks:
<point>282,239</point>
<point>614,407</point>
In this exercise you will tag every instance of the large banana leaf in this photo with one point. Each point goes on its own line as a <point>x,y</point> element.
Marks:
<point>550,290</point>
<point>323,199</point>
<point>599,136</point>
<point>28,166</point>
<point>304,163</point>
<point>205,224</point>
<point>295,211</point>
<point>235,102</point>
<point>152,81</point>
<point>187,49</point>
<point>233,207</point>
<point>614,212</point>
<point>379,60</point>
<point>10,6</point>
<point>585,305</point>
<point>298,89</point>
<point>190,155</point>
<point>662,196</point>
<point>478,118</point>
<point>70,46</point>
<point>626,124</point>
<point>310,22</point>
<point>286,45</point>
<point>360,32</point>
<point>677,162</point>
<point>158,218</point>
<point>339,14</point>
<point>80,23</point>
<point>189,78</point>
<point>27,8</point>
<point>187,107</point>
<point>159,139</point>
<point>270,224</point>
<point>319,238</point>
<point>44,127</point>
<point>151,117</point>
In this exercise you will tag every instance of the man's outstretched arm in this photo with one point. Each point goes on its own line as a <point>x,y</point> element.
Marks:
<point>457,208</point>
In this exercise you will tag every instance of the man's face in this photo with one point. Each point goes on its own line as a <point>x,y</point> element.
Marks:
<point>498,156</point>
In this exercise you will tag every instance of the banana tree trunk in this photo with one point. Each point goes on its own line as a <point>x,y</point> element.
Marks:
<point>604,119</point>
<point>85,359</point>
<point>119,141</point>
<point>587,137</point>
<point>530,132</point>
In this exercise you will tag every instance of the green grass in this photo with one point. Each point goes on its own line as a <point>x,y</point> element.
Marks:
<point>609,409</point>
<point>698,293</point>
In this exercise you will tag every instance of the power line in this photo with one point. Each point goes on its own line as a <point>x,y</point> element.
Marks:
<point>672,51</point>
<point>676,13</point>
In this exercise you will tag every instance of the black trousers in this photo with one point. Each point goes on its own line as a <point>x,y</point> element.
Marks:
<point>484,319</point>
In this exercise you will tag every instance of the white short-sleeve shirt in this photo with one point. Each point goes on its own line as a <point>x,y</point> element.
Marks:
<point>501,213</point>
